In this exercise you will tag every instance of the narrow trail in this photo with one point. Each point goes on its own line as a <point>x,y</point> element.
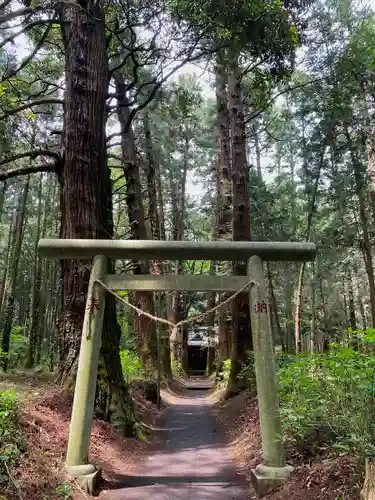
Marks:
<point>190,460</point>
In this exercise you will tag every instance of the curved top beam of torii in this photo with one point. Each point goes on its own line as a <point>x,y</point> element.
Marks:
<point>177,250</point>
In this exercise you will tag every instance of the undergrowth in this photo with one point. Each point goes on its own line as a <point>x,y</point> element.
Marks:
<point>131,364</point>
<point>12,442</point>
<point>329,396</point>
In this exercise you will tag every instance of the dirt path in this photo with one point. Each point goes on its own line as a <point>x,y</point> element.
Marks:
<point>191,460</point>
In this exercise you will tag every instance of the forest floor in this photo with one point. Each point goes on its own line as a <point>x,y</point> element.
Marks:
<point>45,417</point>
<point>318,472</point>
<point>199,429</point>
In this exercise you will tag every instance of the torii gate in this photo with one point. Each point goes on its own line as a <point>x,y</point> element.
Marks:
<point>273,471</point>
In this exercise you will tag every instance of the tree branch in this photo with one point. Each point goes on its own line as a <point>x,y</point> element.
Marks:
<point>4,4</point>
<point>282,92</point>
<point>30,57</point>
<point>25,170</point>
<point>29,105</point>
<point>39,22</point>
<point>12,15</point>
<point>31,154</point>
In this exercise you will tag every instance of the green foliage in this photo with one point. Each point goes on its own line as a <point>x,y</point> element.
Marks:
<point>225,371</point>
<point>262,29</point>
<point>17,348</point>
<point>12,443</point>
<point>333,391</point>
<point>63,492</point>
<point>132,366</point>
<point>247,373</point>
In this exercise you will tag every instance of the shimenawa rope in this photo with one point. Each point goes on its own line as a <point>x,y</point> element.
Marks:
<point>192,319</point>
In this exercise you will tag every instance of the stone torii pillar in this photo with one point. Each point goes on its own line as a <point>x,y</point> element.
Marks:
<point>273,471</point>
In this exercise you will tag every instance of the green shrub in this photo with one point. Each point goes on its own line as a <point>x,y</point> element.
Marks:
<point>247,374</point>
<point>224,371</point>
<point>334,391</point>
<point>12,443</point>
<point>132,366</point>
<point>63,492</point>
<point>18,347</point>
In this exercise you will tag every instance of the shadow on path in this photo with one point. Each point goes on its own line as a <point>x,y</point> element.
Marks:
<point>190,460</point>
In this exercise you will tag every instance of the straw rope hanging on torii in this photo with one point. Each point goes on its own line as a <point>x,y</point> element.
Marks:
<point>179,324</point>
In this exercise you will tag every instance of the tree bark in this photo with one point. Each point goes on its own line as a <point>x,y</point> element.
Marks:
<point>86,205</point>
<point>242,339</point>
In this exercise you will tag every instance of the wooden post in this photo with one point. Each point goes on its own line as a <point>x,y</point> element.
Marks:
<point>273,471</point>
<point>84,395</point>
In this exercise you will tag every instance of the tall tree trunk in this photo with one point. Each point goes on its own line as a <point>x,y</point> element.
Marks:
<point>7,259</point>
<point>178,345</point>
<point>278,336</point>
<point>224,197</point>
<point>16,251</point>
<point>36,285</point>
<point>86,204</point>
<point>3,188</point>
<point>155,208</point>
<point>257,149</point>
<point>242,339</point>
<point>211,348</point>
<point>312,336</point>
<point>352,315</point>
<point>299,289</point>
<point>150,169</point>
<point>366,244</point>
<point>146,329</point>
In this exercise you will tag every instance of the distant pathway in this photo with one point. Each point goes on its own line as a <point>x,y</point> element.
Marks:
<point>191,461</point>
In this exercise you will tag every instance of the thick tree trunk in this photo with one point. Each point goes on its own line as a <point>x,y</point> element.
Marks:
<point>16,251</point>
<point>242,339</point>
<point>146,329</point>
<point>86,205</point>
